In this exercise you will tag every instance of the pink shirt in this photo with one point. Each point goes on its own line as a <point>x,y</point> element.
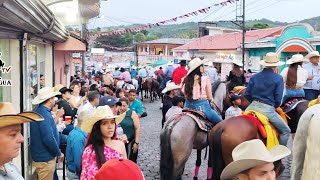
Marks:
<point>199,92</point>
<point>89,163</point>
<point>125,76</point>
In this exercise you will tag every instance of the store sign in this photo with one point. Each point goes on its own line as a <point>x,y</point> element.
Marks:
<point>4,70</point>
<point>225,57</point>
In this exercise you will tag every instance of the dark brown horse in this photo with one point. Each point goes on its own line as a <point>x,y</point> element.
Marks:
<point>151,86</point>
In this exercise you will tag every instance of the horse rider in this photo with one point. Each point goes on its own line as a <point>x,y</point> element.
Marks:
<point>211,71</point>
<point>167,75</point>
<point>197,90</point>
<point>236,76</point>
<point>125,75</point>
<point>180,72</point>
<point>133,72</point>
<point>295,77</point>
<point>170,92</point>
<point>265,92</point>
<point>313,68</point>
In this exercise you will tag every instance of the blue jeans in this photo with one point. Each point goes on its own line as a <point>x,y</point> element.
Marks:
<point>311,94</point>
<point>72,176</point>
<point>204,106</point>
<point>290,93</point>
<point>274,118</point>
<point>164,82</point>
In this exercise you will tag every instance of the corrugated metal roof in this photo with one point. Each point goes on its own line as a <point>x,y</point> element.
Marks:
<point>169,41</point>
<point>229,40</point>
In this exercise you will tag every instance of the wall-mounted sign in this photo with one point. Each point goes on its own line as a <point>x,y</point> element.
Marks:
<point>4,70</point>
<point>220,57</point>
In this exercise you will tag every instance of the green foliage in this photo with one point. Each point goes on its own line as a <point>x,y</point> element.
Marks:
<point>260,26</point>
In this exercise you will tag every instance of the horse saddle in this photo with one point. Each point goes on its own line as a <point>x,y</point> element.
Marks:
<point>291,104</point>
<point>198,117</point>
<point>267,131</point>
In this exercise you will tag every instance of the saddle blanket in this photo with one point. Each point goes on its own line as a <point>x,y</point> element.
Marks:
<point>290,105</point>
<point>270,134</point>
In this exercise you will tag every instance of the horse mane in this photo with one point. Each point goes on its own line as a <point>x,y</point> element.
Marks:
<point>215,86</point>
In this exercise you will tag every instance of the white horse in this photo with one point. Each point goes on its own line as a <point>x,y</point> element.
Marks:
<point>305,150</point>
<point>135,83</point>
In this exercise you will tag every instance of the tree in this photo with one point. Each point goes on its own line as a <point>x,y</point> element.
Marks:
<point>260,26</point>
<point>139,37</point>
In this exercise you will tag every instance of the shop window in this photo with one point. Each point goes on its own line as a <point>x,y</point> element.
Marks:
<point>5,81</point>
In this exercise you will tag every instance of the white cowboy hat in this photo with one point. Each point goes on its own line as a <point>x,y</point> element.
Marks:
<point>296,58</point>
<point>133,67</point>
<point>44,94</point>
<point>102,112</point>
<point>170,86</point>
<point>170,63</point>
<point>271,60</point>
<point>237,62</point>
<point>209,63</point>
<point>8,115</point>
<point>194,63</point>
<point>312,54</point>
<point>250,154</point>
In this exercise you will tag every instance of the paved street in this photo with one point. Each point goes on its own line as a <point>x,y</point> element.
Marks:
<point>149,150</point>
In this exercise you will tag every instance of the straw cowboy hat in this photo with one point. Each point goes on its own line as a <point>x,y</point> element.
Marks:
<point>170,86</point>
<point>250,154</point>
<point>8,115</point>
<point>102,112</point>
<point>271,60</point>
<point>312,54</point>
<point>296,59</point>
<point>237,62</point>
<point>56,88</point>
<point>44,94</point>
<point>195,63</point>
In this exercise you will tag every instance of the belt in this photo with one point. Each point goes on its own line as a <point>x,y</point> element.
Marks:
<point>263,102</point>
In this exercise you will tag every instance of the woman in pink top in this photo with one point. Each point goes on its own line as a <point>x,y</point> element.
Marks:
<point>197,90</point>
<point>101,145</point>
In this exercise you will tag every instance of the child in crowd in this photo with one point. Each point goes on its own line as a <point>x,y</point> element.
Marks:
<point>234,110</point>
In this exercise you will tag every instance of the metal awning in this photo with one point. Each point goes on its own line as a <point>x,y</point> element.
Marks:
<point>34,17</point>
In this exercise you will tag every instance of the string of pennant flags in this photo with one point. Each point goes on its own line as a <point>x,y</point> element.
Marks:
<point>148,26</point>
<point>112,47</point>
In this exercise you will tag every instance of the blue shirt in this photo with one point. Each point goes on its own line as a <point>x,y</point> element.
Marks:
<point>12,172</point>
<point>142,72</point>
<point>44,137</point>
<point>266,86</point>
<point>169,71</point>
<point>312,71</point>
<point>75,146</point>
<point>133,73</point>
<point>116,73</point>
<point>136,106</point>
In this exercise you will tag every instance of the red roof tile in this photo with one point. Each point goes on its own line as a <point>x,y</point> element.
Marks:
<point>229,40</point>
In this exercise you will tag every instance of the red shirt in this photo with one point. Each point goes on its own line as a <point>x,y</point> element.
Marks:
<point>159,71</point>
<point>179,73</point>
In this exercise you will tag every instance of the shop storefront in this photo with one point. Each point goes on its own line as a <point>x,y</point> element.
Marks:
<point>27,33</point>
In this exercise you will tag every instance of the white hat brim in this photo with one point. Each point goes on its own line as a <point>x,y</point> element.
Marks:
<point>24,117</point>
<point>310,55</point>
<point>276,153</point>
<point>196,66</point>
<point>88,124</point>
<point>170,89</point>
<point>238,63</point>
<point>263,63</point>
<point>289,62</point>
<point>37,100</point>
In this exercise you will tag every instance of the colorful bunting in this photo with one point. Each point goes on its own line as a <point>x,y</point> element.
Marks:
<point>112,47</point>
<point>148,26</point>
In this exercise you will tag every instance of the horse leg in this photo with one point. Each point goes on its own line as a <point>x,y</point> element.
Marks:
<point>210,164</point>
<point>151,100</point>
<point>198,164</point>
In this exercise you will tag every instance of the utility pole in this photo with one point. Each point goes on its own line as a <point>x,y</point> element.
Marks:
<point>243,32</point>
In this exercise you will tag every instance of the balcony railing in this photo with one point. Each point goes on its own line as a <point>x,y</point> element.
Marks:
<point>153,58</point>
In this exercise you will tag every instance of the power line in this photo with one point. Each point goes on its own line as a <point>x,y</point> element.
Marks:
<point>265,7</point>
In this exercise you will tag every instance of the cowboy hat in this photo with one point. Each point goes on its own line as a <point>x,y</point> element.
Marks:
<point>312,54</point>
<point>250,154</point>
<point>209,63</point>
<point>271,60</point>
<point>102,112</point>
<point>296,58</point>
<point>56,88</point>
<point>133,67</point>
<point>44,94</point>
<point>195,63</point>
<point>237,62</point>
<point>8,115</point>
<point>170,86</point>
<point>170,63</point>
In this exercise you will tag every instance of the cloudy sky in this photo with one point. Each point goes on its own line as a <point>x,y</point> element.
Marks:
<point>119,12</point>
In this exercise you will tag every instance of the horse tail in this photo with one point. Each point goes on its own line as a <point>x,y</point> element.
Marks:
<point>218,163</point>
<point>166,160</point>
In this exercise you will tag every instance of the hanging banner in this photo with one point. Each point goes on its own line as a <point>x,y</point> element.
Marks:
<point>150,25</point>
<point>112,47</point>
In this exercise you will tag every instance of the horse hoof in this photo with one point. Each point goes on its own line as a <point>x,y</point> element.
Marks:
<point>195,178</point>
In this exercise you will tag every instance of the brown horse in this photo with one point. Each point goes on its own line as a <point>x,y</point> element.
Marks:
<point>150,86</point>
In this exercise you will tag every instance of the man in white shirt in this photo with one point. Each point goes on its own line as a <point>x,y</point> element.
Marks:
<point>177,102</point>
<point>93,98</point>
<point>211,72</point>
<point>234,110</point>
<point>313,68</point>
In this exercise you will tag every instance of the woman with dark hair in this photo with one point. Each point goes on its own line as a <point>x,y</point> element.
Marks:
<point>197,90</point>
<point>236,76</point>
<point>101,145</point>
<point>119,93</point>
<point>294,77</point>
<point>131,128</point>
